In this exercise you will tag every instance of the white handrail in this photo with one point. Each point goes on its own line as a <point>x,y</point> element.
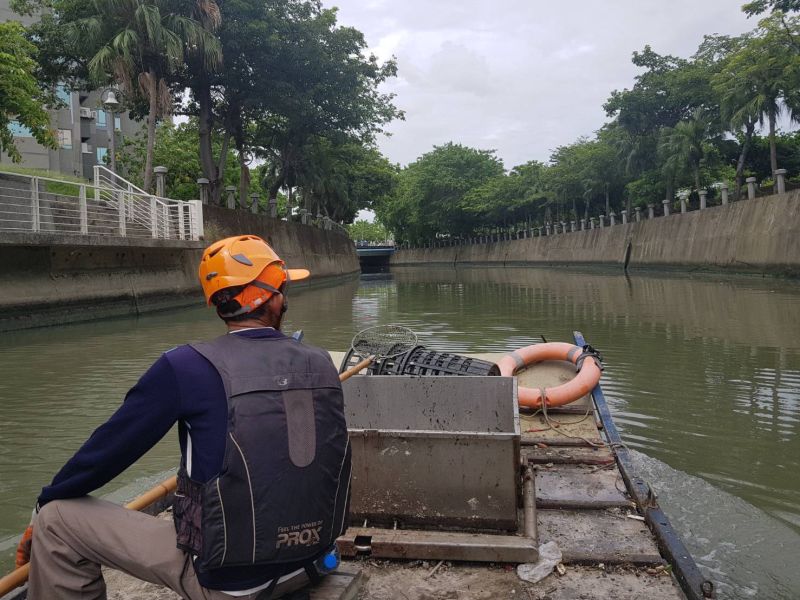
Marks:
<point>105,208</point>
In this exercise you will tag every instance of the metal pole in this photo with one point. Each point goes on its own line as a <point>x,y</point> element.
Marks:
<point>113,144</point>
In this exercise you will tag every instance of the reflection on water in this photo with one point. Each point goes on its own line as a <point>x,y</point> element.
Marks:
<point>703,375</point>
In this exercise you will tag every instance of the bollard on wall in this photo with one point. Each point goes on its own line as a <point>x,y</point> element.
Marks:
<point>665,202</point>
<point>273,208</point>
<point>624,214</point>
<point>751,188</point>
<point>724,191</point>
<point>684,206</point>
<point>638,210</point>
<point>230,190</point>
<point>651,213</point>
<point>591,222</point>
<point>254,198</point>
<point>601,218</point>
<point>703,199</point>
<point>572,225</point>
<point>161,181</point>
<point>780,180</point>
<point>612,218</point>
<point>203,183</point>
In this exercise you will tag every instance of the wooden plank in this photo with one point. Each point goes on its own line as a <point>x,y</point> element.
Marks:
<point>569,455</point>
<point>436,545</point>
<point>596,584</point>
<point>343,584</point>
<point>595,536</point>
<point>579,487</point>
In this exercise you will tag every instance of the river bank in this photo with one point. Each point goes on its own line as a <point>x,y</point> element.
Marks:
<point>750,236</point>
<point>54,279</point>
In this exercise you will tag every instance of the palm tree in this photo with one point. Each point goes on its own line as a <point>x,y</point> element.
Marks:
<point>684,146</point>
<point>141,44</point>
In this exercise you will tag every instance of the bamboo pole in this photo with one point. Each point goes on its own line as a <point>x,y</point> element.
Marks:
<point>19,576</point>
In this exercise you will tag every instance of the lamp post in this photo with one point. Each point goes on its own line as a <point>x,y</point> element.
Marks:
<point>111,104</point>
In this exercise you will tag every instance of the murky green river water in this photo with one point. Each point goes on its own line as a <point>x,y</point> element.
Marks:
<point>703,378</point>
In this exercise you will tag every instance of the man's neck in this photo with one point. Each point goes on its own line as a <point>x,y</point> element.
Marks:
<point>250,324</point>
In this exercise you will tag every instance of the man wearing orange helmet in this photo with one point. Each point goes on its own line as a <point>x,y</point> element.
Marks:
<point>263,484</point>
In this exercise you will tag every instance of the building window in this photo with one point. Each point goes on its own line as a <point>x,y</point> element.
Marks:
<point>117,124</point>
<point>17,129</point>
<point>102,154</point>
<point>101,119</point>
<point>62,93</point>
<point>65,139</point>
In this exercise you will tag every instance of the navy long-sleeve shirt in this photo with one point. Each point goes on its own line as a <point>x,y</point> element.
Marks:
<point>181,386</point>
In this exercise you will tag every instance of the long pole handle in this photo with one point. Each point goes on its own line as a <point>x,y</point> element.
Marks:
<point>19,576</point>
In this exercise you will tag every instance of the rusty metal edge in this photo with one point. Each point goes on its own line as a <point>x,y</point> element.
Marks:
<point>693,583</point>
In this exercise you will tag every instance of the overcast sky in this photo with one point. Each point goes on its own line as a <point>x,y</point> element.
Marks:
<point>520,76</point>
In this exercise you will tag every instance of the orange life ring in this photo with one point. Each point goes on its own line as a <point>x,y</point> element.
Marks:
<point>589,372</point>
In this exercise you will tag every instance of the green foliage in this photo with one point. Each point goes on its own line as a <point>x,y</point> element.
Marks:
<point>431,192</point>
<point>176,149</point>
<point>21,98</point>
<point>761,6</point>
<point>364,231</point>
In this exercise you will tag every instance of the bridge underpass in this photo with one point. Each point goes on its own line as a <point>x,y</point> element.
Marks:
<point>374,259</point>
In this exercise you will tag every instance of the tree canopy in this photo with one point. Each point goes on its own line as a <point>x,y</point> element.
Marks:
<point>22,99</point>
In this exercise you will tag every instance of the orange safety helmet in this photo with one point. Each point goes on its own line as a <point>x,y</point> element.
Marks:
<point>248,268</point>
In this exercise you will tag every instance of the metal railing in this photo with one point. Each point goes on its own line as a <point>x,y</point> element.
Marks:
<point>110,207</point>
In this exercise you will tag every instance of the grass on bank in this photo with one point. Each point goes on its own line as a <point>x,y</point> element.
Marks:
<point>64,186</point>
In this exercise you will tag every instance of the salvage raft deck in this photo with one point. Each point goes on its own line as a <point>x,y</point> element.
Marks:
<point>582,504</point>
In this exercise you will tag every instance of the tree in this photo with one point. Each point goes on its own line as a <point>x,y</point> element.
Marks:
<point>431,194</point>
<point>686,146</point>
<point>175,148</point>
<point>141,44</point>
<point>21,98</point>
<point>292,75</point>
<point>760,80</point>
<point>364,231</point>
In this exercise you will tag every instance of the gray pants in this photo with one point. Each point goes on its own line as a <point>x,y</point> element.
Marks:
<point>72,538</point>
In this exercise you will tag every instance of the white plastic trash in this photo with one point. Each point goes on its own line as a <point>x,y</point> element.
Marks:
<point>549,557</point>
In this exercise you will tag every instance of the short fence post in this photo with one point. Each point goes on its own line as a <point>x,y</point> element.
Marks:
<point>153,217</point>
<point>273,208</point>
<point>563,227</point>
<point>638,211</point>
<point>666,203</point>
<point>572,224</point>
<point>547,229</point>
<point>591,222</point>
<point>751,188</point>
<point>703,199</point>
<point>724,191</point>
<point>36,223</point>
<point>231,199</point>
<point>651,213</point>
<point>780,180</point>
<point>624,214</point>
<point>84,213</point>
<point>613,217</point>
<point>203,183</point>
<point>602,218</point>
<point>684,198</point>
<point>254,198</point>
<point>161,181</point>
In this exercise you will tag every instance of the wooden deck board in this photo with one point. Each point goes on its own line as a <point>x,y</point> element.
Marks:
<point>572,486</point>
<point>596,536</point>
<point>598,584</point>
<point>569,455</point>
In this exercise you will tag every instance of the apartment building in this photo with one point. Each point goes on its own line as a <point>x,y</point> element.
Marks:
<point>83,126</point>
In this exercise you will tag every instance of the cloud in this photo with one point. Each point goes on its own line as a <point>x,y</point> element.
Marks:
<point>518,76</point>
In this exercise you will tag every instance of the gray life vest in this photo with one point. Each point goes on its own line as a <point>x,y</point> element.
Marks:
<point>283,493</point>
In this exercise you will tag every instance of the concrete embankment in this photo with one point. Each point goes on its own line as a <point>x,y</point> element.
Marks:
<point>750,236</point>
<point>55,279</point>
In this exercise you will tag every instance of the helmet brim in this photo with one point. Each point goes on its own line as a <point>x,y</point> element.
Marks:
<point>297,274</point>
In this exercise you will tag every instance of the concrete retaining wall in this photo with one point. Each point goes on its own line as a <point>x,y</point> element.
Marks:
<point>751,236</point>
<point>56,279</point>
